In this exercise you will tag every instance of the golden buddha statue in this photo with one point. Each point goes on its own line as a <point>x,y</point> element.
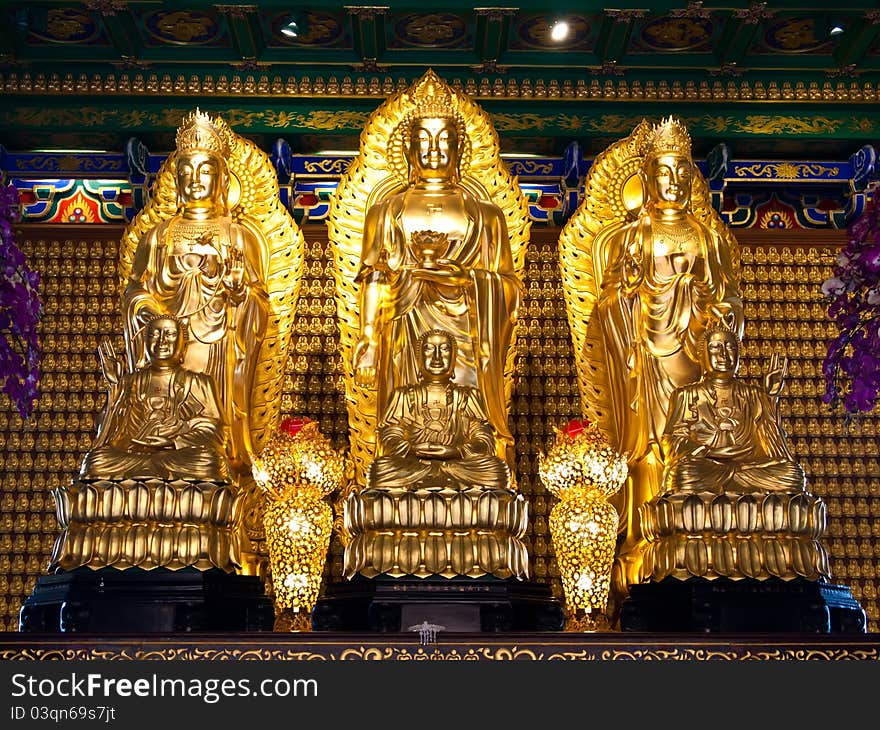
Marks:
<point>735,503</point>
<point>215,247</point>
<point>437,502</point>
<point>429,232</point>
<point>723,434</point>
<point>439,244</point>
<point>437,257</point>
<point>162,421</point>
<point>436,433</point>
<point>202,266</point>
<point>646,270</point>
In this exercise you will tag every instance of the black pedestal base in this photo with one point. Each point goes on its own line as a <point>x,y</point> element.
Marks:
<point>146,601</point>
<point>727,606</point>
<point>456,604</point>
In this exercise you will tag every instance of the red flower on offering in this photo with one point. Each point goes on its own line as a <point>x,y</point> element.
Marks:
<point>574,428</point>
<point>292,426</point>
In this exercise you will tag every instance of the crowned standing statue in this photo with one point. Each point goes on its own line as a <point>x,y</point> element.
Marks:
<point>650,274</point>
<point>647,264</point>
<point>210,268</point>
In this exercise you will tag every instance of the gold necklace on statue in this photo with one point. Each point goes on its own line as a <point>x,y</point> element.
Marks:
<point>676,234</point>
<point>185,234</point>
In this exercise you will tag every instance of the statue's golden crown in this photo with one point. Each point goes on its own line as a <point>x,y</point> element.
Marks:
<point>200,131</point>
<point>433,98</point>
<point>669,136</point>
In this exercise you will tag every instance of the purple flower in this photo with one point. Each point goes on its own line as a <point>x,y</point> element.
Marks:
<point>20,312</point>
<point>851,368</point>
<point>833,286</point>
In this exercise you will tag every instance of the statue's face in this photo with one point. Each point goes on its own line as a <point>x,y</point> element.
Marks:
<point>437,353</point>
<point>434,146</point>
<point>668,178</point>
<point>199,177</point>
<point>722,352</point>
<point>164,341</point>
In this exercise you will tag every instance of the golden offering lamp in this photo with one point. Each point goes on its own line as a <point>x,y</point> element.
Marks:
<point>296,470</point>
<point>583,471</point>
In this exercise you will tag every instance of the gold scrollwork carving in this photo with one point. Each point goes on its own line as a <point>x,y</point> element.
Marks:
<point>330,167</point>
<point>457,652</point>
<point>786,170</point>
<point>530,167</point>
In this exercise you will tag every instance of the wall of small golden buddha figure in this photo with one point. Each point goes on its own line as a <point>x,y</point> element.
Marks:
<point>784,312</point>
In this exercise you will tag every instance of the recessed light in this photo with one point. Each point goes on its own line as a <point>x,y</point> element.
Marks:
<point>560,30</point>
<point>291,30</point>
<point>836,30</point>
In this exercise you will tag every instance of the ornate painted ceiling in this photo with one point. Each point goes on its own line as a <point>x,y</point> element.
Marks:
<point>780,76</point>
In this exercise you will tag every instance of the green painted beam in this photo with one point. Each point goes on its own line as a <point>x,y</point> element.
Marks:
<point>493,27</point>
<point>123,32</point>
<point>541,119</point>
<point>735,40</point>
<point>614,35</point>
<point>855,43</point>
<point>367,26</point>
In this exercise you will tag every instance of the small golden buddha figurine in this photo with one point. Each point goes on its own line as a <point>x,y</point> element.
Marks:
<point>202,266</point>
<point>162,421</point>
<point>437,256</point>
<point>722,434</point>
<point>436,433</point>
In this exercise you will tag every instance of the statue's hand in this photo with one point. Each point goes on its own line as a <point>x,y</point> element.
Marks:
<point>111,365</point>
<point>448,272</point>
<point>234,276</point>
<point>156,442</point>
<point>365,362</point>
<point>435,451</point>
<point>774,378</point>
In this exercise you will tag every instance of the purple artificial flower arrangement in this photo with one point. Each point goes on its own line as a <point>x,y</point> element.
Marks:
<point>20,312</point>
<point>852,364</point>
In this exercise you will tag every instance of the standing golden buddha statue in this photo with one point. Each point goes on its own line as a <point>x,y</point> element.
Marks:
<point>202,266</point>
<point>214,259</point>
<point>647,266</point>
<point>429,232</point>
<point>215,247</point>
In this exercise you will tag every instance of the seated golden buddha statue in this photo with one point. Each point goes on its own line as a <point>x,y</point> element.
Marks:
<point>436,433</point>
<point>437,501</point>
<point>723,434</point>
<point>162,421</point>
<point>201,265</point>
<point>735,503</point>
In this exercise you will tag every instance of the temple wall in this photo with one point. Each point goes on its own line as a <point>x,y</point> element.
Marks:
<point>784,312</point>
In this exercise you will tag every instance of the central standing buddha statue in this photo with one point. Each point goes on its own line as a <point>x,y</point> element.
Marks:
<point>438,254</point>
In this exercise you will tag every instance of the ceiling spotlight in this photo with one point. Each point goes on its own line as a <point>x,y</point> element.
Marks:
<point>835,30</point>
<point>560,30</point>
<point>290,29</point>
